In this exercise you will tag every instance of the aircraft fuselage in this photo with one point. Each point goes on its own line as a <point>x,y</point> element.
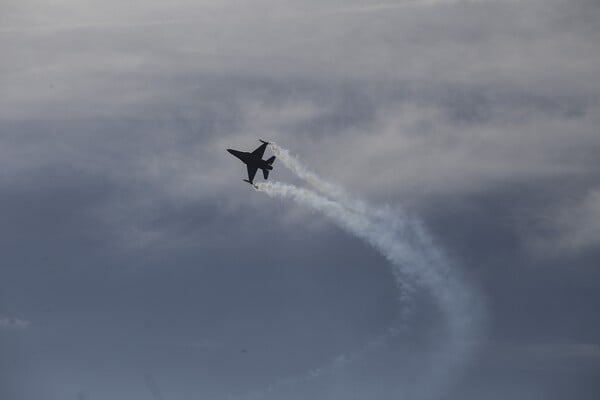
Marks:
<point>251,159</point>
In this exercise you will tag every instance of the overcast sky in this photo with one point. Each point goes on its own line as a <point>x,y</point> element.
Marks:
<point>137,265</point>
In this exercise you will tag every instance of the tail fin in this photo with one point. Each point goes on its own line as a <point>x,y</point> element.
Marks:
<point>265,173</point>
<point>270,160</point>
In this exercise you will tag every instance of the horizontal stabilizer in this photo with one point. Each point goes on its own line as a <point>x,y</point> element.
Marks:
<point>270,160</point>
<point>266,173</point>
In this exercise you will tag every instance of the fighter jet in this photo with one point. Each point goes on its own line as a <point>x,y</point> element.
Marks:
<point>254,161</point>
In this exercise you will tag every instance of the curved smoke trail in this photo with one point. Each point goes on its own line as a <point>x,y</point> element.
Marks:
<point>394,219</point>
<point>416,261</point>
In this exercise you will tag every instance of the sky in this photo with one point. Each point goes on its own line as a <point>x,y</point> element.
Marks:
<point>137,265</point>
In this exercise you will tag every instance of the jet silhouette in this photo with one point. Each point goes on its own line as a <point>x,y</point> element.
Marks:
<point>254,161</point>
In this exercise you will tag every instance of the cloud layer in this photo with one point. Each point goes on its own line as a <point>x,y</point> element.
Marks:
<point>127,234</point>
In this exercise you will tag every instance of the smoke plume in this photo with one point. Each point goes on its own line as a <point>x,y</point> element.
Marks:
<point>416,262</point>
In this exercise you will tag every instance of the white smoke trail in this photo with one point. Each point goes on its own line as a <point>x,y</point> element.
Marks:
<point>302,172</point>
<point>415,259</point>
<point>332,190</point>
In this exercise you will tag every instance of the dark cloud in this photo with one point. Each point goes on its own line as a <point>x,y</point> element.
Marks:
<point>131,249</point>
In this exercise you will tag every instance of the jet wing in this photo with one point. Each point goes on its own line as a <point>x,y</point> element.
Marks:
<point>260,150</point>
<point>251,173</point>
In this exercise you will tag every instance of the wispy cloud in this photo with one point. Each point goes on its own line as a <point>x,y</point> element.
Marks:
<point>569,227</point>
<point>13,323</point>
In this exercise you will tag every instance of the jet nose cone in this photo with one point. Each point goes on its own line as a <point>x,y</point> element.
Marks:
<point>230,151</point>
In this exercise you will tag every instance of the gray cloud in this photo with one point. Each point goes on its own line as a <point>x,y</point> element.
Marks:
<point>127,231</point>
<point>570,227</point>
<point>10,323</point>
